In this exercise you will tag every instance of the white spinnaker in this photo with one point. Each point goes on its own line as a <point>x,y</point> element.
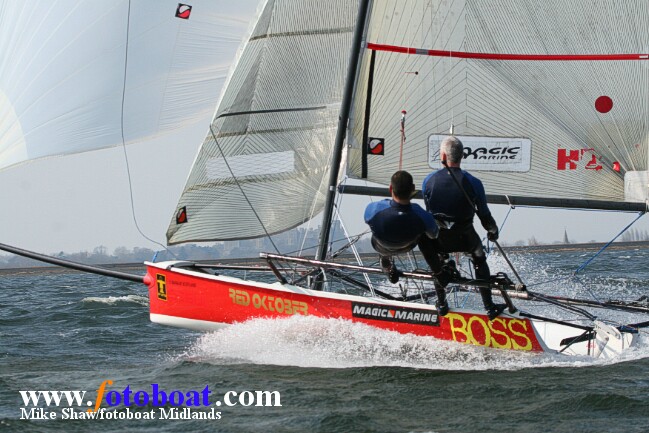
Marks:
<point>561,106</point>
<point>64,65</point>
<point>262,166</point>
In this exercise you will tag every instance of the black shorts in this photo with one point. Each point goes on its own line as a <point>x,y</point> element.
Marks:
<point>390,249</point>
<point>460,240</point>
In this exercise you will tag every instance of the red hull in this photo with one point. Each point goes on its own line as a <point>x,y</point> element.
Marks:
<point>198,300</point>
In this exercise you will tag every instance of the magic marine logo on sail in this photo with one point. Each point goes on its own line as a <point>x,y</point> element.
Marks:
<point>391,313</point>
<point>487,153</point>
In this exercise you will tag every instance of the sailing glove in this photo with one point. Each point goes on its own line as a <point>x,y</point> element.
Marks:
<point>490,225</point>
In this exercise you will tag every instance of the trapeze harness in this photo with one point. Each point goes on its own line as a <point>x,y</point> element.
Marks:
<point>397,228</point>
<point>454,215</point>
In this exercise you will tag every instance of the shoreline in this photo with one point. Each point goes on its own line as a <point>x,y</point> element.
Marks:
<point>615,246</point>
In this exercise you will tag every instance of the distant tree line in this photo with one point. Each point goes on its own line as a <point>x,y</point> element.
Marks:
<point>295,242</point>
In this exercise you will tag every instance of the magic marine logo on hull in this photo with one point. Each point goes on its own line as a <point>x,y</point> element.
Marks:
<point>487,153</point>
<point>413,316</point>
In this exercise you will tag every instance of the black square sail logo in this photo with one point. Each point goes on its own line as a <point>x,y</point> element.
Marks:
<point>375,146</point>
<point>181,215</point>
<point>183,11</point>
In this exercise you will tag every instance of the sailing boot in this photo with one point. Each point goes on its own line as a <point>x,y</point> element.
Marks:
<point>493,310</point>
<point>446,274</point>
<point>390,269</point>
<point>441,304</point>
<point>452,268</point>
<point>443,277</point>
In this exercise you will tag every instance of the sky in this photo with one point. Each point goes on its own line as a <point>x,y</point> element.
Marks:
<point>79,202</point>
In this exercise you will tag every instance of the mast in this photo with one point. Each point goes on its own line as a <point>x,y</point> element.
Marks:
<point>336,156</point>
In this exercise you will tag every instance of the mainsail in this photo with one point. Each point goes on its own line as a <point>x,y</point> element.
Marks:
<point>551,99</point>
<point>83,75</point>
<point>263,165</point>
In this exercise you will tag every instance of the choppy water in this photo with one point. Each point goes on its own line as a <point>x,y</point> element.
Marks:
<point>70,331</point>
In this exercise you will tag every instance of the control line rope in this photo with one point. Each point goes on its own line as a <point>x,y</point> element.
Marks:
<point>128,169</point>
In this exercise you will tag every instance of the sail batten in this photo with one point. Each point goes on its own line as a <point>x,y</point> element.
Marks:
<point>303,33</point>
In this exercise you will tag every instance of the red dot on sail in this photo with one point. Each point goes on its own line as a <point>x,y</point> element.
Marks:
<point>377,149</point>
<point>603,104</point>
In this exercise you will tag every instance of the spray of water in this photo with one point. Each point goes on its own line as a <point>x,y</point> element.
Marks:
<point>111,300</point>
<point>336,343</point>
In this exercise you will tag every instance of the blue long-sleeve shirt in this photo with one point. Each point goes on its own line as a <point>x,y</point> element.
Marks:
<point>399,225</point>
<point>447,202</point>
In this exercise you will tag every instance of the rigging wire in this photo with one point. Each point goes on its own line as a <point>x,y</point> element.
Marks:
<point>312,213</point>
<point>337,205</point>
<point>450,68</point>
<point>587,262</point>
<point>411,72</point>
<point>351,241</point>
<point>321,187</point>
<point>243,193</point>
<point>126,160</point>
<point>502,226</point>
<point>352,245</point>
<point>574,278</point>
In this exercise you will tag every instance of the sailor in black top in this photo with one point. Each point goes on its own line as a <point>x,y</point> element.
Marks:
<point>454,214</point>
<point>398,225</point>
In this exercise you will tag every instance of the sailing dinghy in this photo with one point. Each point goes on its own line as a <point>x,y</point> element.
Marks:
<point>550,100</point>
<point>521,88</point>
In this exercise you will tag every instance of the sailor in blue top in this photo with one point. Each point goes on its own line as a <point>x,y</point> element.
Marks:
<point>398,225</point>
<point>454,214</point>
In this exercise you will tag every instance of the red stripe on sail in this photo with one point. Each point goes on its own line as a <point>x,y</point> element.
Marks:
<point>498,56</point>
